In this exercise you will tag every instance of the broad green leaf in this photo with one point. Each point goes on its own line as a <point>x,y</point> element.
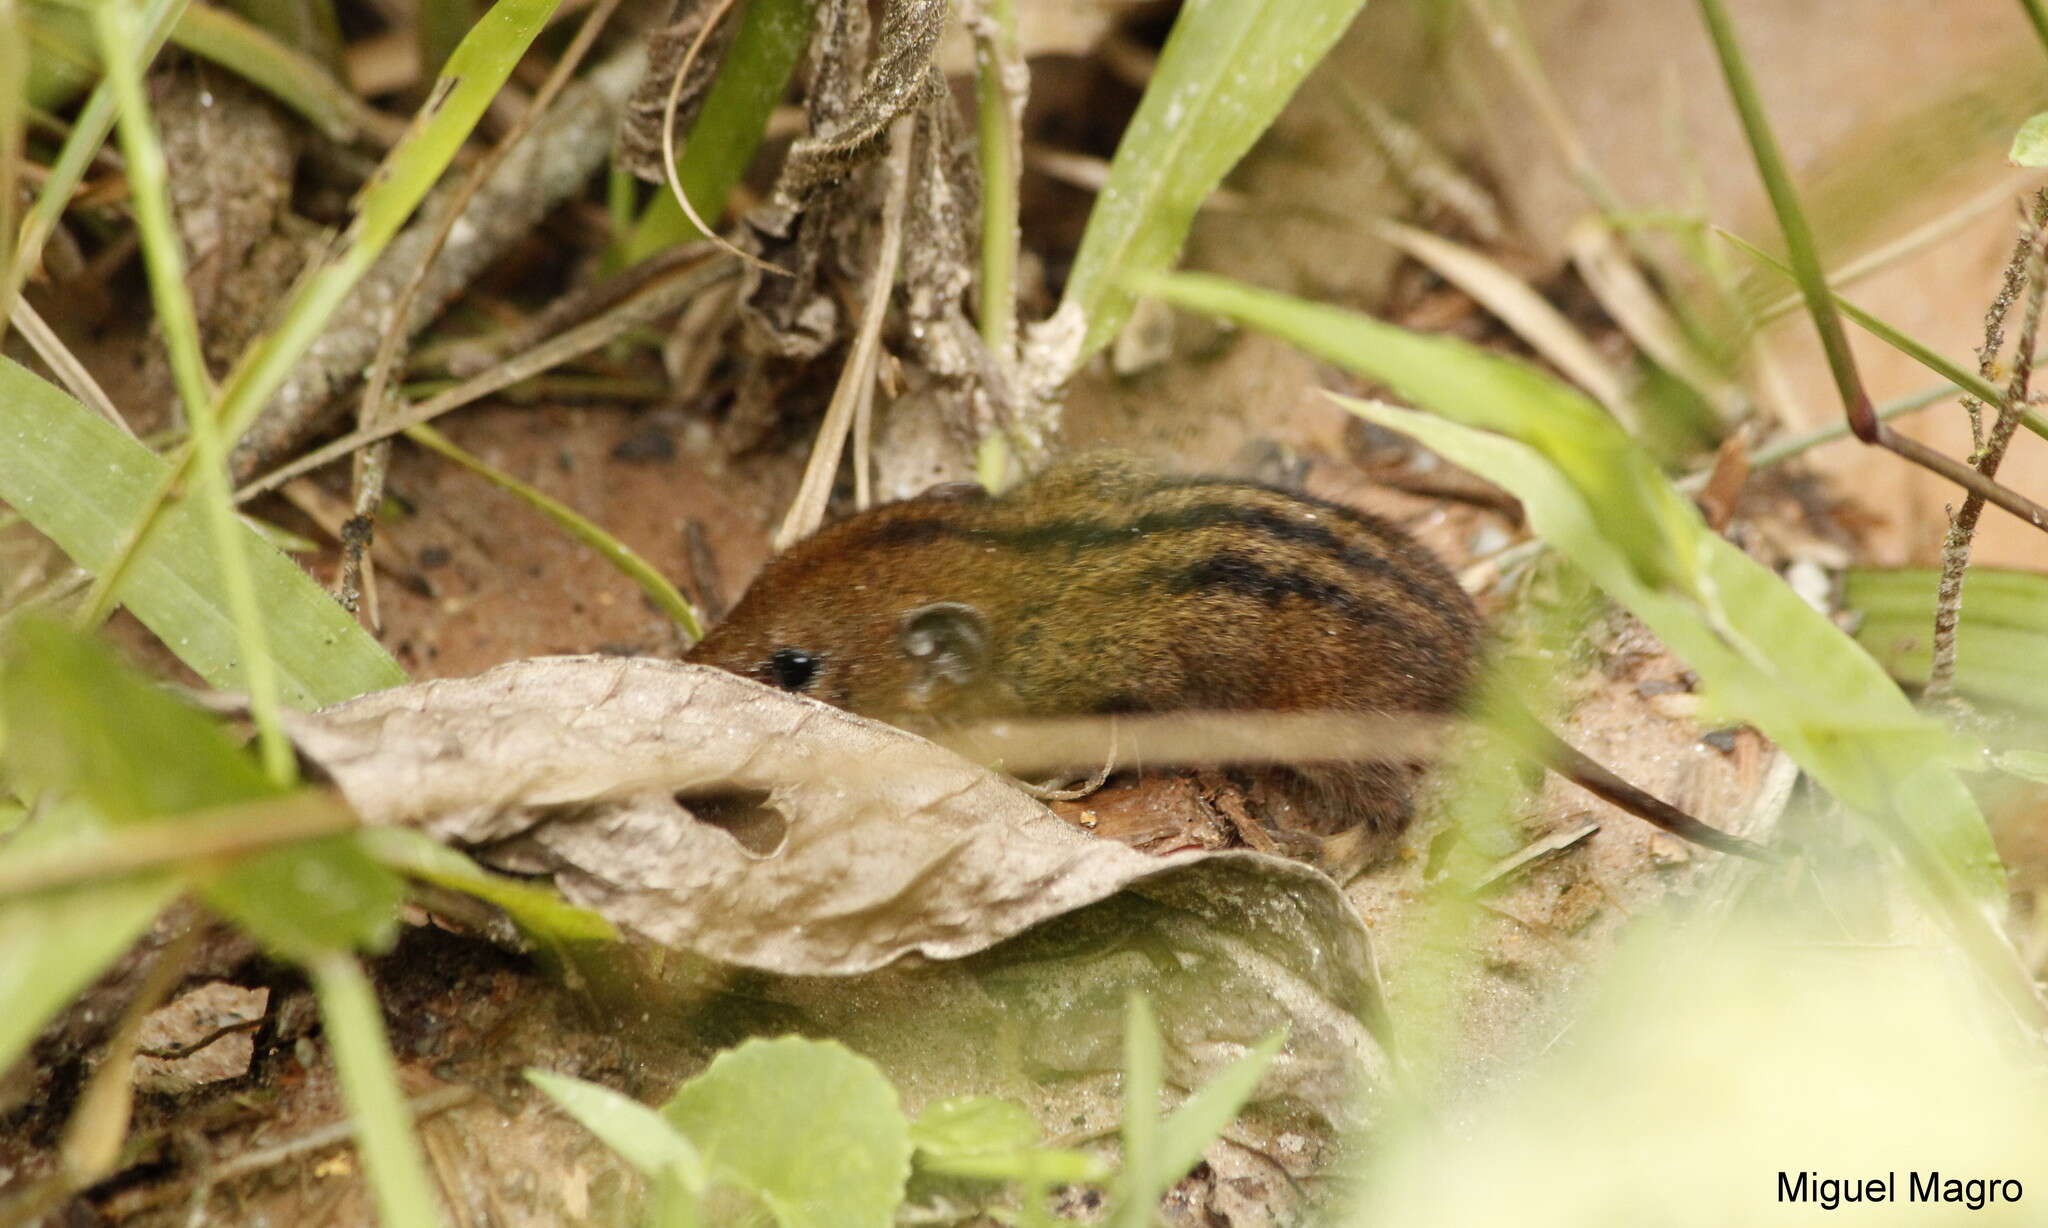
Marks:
<point>78,723</point>
<point>2030,143</point>
<point>538,911</point>
<point>1641,512</point>
<point>320,895</point>
<point>728,128</point>
<point>81,725</point>
<point>970,1125</point>
<point>81,482</point>
<point>809,1127</point>
<point>54,945</point>
<point>990,1139</point>
<point>642,1136</point>
<point>2001,640</point>
<point>1227,69</point>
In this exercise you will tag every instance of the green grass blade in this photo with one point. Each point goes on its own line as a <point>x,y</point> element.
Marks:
<point>82,483</point>
<point>1487,390</point>
<point>1227,69</point>
<point>298,81</point>
<point>369,1083</point>
<point>120,29</point>
<point>1799,243</point>
<point>1202,1117</point>
<point>1139,1186</point>
<point>472,78</point>
<point>88,132</point>
<point>578,526</point>
<point>728,128</point>
<point>1964,378</point>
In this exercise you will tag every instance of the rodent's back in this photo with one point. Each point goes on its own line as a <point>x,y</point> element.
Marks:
<point>1105,587</point>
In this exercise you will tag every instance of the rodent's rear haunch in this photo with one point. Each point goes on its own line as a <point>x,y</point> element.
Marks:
<point>1101,587</point>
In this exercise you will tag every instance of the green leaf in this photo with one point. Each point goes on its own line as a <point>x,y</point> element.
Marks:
<point>81,725</point>
<point>811,1128</point>
<point>1140,1185</point>
<point>536,910</point>
<point>54,945</point>
<point>2030,143</point>
<point>468,82</point>
<point>1227,69</point>
<point>728,128</point>
<point>303,899</point>
<point>973,1125</point>
<point>2001,639</point>
<point>1190,1129</point>
<point>642,1136</point>
<point>1641,512</point>
<point>988,1139</point>
<point>78,723</point>
<point>1157,1154</point>
<point>2025,764</point>
<point>81,482</point>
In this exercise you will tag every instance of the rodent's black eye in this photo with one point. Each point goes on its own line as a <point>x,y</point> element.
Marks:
<point>792,668</point>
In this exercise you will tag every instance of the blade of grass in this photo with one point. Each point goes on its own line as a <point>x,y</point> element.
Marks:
<point>1817,696</point>
<point>1813,287</point>
<point>1521,308</point>
<point>1144,1074</point>
<point>1001,81</point>
<point>578,526</point>
<point>298,81</point>
<point>1799,243</point>
<point>1496,392</point>
<point>119,27</point>
<point>1226,70</point>
<point>728,128</point>
<point>472,78</point>
<point>13,129</point>
<point>2003,638</point>
<point>80,481</point>
<point>88,132</point>
<point>1964,378</point>
<point>369,1083</point>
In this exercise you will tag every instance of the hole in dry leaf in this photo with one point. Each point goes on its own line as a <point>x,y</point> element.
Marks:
<point>746,816</point>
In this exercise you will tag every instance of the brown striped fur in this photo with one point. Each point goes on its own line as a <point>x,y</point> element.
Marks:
<point>1106,587</point>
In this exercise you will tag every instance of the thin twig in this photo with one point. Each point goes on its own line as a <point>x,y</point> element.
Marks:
<point>1990,452</point>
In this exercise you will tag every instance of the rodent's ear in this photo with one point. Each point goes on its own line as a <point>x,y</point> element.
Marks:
<point>946,641</point>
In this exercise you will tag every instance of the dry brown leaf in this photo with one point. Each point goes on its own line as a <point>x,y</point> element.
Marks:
<point>880,844</point>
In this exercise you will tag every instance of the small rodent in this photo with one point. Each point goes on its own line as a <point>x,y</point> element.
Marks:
<point>1101,586</point>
